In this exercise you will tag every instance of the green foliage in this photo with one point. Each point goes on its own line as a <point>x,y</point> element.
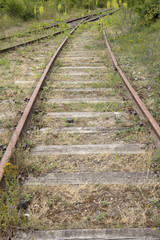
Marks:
<point>27,9</point>
<point>156,161</point>
<point>20,8</point>
<point>4,62</point>
<point>9,200</point>
<point>149,10</point>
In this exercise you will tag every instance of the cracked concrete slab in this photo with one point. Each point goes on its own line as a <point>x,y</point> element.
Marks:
<point>83,129</point>
<point>89,149</point>
<point>80,58</point>
<point>80,51</point>
<point>74,74</point>
<point>82,178</point>
<point>83,67</point>
<point>86,114</point>
<point>91,234</point>
<point>84,90</point>
<point>84,100</point>
<point>24,82</point>
<point>79,82</point>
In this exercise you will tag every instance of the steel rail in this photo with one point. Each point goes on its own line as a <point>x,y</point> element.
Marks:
<point>141,106</point>
<point>103,15</point>
<point>41,38</point>
<point>49,35</point>
<point>55,24</point>
<point>29,108</point>
<point>80,18</point>
<point>32,41</point>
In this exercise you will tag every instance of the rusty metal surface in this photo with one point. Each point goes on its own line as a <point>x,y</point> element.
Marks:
<point>56,24</point>
<point>154,125</point>
<point>103,15</point>
<point>23,121</point>
<point>32,41</point>
<point>44,37</point>
<point>54,34</point>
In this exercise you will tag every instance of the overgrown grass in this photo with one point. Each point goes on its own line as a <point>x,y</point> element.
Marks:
<point>9,215</point>
<point>136,47</point>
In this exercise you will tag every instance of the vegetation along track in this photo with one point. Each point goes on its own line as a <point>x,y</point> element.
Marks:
<point>86,153</point>
<point>53,25</point>
<point>13,42</point>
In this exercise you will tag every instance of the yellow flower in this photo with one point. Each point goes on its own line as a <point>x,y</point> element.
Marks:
<point>125,5</point>
<point>35,10</point>
<point>115,4</point>
<point>10,169</point>
<point>8,165</point>
<point>59,7</point>
<point>108,5</point>
<point>131,40</point>
<point>155,228</point>
<point>147,205</point>
<point>41,10</point>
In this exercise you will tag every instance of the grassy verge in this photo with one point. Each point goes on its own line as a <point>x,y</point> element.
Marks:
<point>13,25</point>
<point>136,47</point>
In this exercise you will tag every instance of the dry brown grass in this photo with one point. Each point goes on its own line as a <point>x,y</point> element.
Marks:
<point>98,206</point>
<point>83,163</point>
<point>88,206</point>
<point>129,135</point>
<point>25,64</point>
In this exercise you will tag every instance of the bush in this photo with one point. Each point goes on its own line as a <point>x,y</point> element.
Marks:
<point>19,8</point>
<point>149,10</point>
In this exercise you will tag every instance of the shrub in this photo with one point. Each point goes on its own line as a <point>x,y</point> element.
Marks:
<point>19,8</point>
<point>149,10</point>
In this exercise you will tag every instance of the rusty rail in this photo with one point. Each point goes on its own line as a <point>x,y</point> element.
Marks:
<point>51,35</point>
<point>56,24</point>
<point>141,106</point>
<point>103,15</point>
<point>32,41</point>
<point>25,117</point>
<point>44,37</point>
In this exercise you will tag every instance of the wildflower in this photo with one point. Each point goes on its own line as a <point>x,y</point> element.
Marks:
<point>59,7</point>
<point>155,228</point>
<point>108,5</point>
<point>41,10</point>
<point>35,10</point>
<point>147,205</point>
<point>115,4</point>
<point>140,40</point>
<point>10,169</point>
<point>8,165</point>
<point>131,41</point>
<point>119,49</point>
<point>125,5</point>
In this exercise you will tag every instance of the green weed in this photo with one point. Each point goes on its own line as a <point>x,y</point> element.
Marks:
<point>101,216</point>
<point>4,62</point>
<point>9,198</point>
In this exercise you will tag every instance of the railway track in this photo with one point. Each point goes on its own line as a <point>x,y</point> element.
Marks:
<point>86,151</point>
<point>56,24</point>
<point>13,43</point>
